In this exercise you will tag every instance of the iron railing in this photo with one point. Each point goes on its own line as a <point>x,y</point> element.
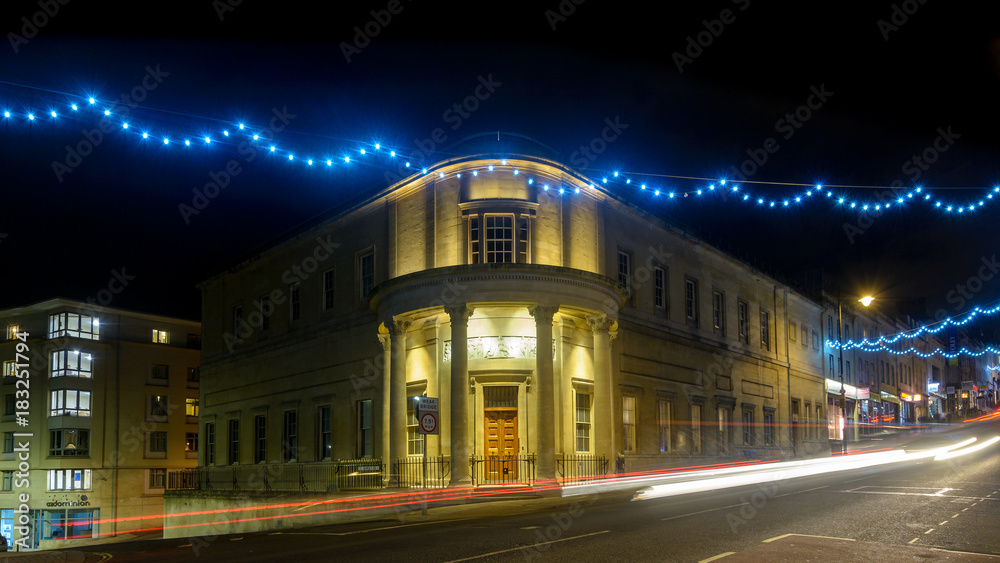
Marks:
<point>503,469</point>
<point>411,472</point>
<point>581,467</point>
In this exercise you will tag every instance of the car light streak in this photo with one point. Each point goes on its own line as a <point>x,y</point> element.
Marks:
<point>791,470</point>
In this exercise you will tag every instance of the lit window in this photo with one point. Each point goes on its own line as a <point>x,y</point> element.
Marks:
<point>161,337</point>
<point>69,442</point>
<point>12,331</point>
<point>234,441</point>
<point>191,442</point>
<point>69,479</point>
<point>499,238</point>
<point>8,368</point>
<point>70,402</point>
<point>71,363</point>
<point>159,407</point>
<point>583,422</point>
<point>474,241</point>
<point>414,439</point>
<point>628,423</point>
<point>696,428</point>
<point>75,325</point>
<point>191,406</point>
<point>748,430</point>
<point>663,414</point>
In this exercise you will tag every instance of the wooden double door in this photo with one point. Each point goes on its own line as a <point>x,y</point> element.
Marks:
<point>501,443</point>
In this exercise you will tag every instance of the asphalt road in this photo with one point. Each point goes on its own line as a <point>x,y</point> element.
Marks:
<point>951,505</point>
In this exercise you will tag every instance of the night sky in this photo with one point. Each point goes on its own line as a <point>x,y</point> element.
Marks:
<point>886,82</point>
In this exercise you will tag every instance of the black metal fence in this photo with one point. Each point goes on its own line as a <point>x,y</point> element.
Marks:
<point>411,472</point>
<point>579,468</point>
<point>344,475</point>
<point>503,469</point>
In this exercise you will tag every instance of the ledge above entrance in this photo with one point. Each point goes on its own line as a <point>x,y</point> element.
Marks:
<point>497,283</point>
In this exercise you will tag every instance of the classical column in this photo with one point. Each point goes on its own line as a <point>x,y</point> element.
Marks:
<point>397,396</point>
<point>459,315</point>
<point>545,425</point>
<point>603,411</point>
<point>386,342</point>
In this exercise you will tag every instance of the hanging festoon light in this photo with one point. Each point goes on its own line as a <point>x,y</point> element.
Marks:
<point>755,192</point>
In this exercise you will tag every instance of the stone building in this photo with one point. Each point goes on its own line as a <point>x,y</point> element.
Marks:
<point>549,316</point>
<point>110,401</point>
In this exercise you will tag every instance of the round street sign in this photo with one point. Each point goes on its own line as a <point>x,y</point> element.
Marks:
<point>428,422</point>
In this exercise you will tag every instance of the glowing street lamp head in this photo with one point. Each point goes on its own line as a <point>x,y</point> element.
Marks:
<point>866,300</point>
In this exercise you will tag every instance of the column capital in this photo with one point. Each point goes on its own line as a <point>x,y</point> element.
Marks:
<point>459,313</point>
<point>385,341</point>
<point>542,313</point>
<point>400,326</point>
<point>600,323</point>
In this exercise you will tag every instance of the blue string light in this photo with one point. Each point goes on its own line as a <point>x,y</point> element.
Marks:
<point>933,328</point>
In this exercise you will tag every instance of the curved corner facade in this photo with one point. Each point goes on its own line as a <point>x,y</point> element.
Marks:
<point>550,318</point>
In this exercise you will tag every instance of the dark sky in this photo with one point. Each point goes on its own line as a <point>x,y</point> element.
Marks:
<point>890,89</point>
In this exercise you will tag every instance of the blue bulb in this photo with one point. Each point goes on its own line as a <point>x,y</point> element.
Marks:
<point>490,168</point>
<point>329,162</point>
<point>91,100</point>
<point>392,153</point>
<point>107,112</point>
<point>241,126</point>
<point>31,116</point>
<point>6,114</point>
<point>272,148</point>
<point>225,132</point>
<point>208,139</point>
<point>75,107</point>
<point>377,146</point>
<point>166,141</point>
<point>145,135</point>
<point>53,114</point>
<point>290,157</point>
<point>125,125</point>
<point>516,172</point>
<point>363,151</point>
<point>309,162</point>
<point>256,136</point>
<point>407,164</point>
<point>347,159</point>
<point>475,173</point>
<point>187,143</point>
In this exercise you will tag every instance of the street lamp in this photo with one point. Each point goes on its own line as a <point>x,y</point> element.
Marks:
<point>866,301</point>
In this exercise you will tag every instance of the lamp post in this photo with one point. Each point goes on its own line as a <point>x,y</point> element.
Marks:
<point>866,301</point>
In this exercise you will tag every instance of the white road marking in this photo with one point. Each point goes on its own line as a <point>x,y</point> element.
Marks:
<point>805,491</point>
<point>943,523</point>
<point>914,539</point>
<point>704,511</point>
<point>929,531</point>
<point>527,547</point>
<point>776,538</point>
<point>719,556</point>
